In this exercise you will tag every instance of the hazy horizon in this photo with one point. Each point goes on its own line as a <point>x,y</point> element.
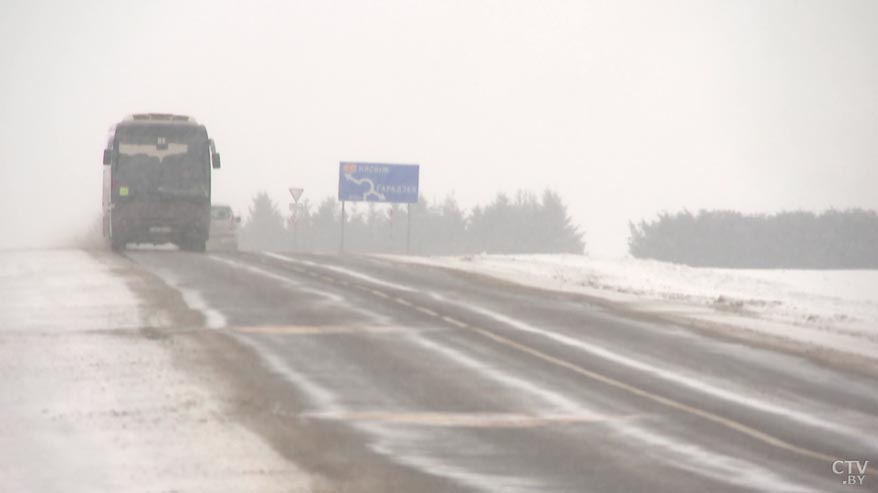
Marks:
<point>626,109</point>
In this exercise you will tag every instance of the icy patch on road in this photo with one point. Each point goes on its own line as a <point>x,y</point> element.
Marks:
<point>367,316</point>
<point>832,309</point>
<point>447,454</point>
<point>330,297</point>
<point>341,270</point>
<point>694,382</point>
<point>542,399</point>
<point>703,462</point>
<point>319,397</point>
<point>213,318</point>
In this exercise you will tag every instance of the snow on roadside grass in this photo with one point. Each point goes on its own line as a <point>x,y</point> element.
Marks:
<point>827,308</point>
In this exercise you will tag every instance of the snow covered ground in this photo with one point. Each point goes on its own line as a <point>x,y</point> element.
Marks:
<point>822,308</point>
<point>91,403</point>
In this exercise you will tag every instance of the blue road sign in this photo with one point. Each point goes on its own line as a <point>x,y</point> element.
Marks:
<point>376,182</point>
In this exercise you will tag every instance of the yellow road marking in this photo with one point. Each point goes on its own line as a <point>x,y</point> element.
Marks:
<point>379,293</point>
<point>456,322</point>
<point>471,420</point>
<point>726,422</point>
<point>311,329</point>
<point>714,418</point>
<point>426,311</point>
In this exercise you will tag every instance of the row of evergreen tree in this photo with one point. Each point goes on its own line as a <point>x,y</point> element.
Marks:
<point>832,240</point>
<point>523,223</point>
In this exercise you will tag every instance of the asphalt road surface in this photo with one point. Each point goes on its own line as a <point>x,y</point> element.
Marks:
<point>380,376</point>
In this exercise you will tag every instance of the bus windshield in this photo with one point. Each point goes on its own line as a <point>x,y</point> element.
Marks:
<point>164,159</point>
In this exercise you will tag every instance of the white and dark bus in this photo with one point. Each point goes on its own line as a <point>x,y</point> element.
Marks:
<point>157,170</point>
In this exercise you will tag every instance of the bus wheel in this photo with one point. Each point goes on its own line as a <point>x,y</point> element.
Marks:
<point>193,245</point>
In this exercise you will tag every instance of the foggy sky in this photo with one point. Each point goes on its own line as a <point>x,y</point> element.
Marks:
<point>625,108</point>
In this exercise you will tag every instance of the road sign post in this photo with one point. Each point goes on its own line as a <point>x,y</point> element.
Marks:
<point>296,229</point>
<point>378,182</point>
<point>296,193</point>
<point>341,241</point>
<point>408,229</point>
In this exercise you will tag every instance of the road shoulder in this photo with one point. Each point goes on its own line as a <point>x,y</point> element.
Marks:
<point>94,399</point>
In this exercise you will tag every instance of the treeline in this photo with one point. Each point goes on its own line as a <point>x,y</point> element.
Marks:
<point>835,239</point>
<point>523,223</point>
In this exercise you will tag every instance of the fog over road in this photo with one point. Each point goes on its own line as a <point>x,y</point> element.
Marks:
<point>388,377</point>
<point>161,370</point>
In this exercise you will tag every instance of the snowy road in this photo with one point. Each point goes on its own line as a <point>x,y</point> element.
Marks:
<point>359,374</point>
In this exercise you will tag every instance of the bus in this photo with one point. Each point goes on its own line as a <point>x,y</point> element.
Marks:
<point>157,174</point>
